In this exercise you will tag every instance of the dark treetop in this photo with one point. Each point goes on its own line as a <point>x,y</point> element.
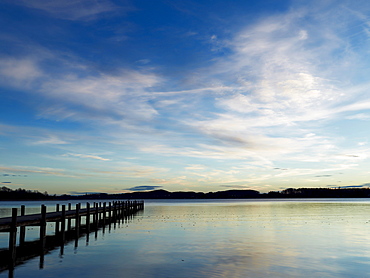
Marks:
<point>22,194</point>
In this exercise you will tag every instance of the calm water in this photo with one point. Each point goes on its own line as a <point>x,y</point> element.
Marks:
<point>237,238</point>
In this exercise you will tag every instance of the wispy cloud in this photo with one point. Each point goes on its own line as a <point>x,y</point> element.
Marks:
<point>360,116</point>
<point>195,167</point>
<point>83,193</point>
<point>86,156</point>
<point>235,186</point>
<point>136,171</point>
<point>72,9</point>
<point>35,170</point>
<point>143,188</point>
<point>282,90</point>
<point>19,72</point>
<point>51,139</point>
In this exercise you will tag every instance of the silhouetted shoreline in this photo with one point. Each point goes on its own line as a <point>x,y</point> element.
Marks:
<point>22,194</point>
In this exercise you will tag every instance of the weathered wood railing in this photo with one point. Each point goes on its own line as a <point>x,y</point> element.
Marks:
<point>97,215</point>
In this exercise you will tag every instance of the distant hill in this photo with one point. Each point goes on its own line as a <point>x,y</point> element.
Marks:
<point>22,194</point>
<point>163,194</point>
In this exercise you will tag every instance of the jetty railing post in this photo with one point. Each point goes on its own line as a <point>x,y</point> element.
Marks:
<point>13,238</point>
<point>88,218</point>
<point>63,224</point>
<point>22,232</point>
<point>104,212</point>
<point>127,204</point>
<point>77,223</point>
<point>42,228</point>
<point>87,223</point>
<point>96,216</point>
<point>57,222</point>
<point>126,210</point>
<point>110,214</point>
<point>118,209</point>
<point>93,214</point>
<point>69,219</point>
<point>114,213</point>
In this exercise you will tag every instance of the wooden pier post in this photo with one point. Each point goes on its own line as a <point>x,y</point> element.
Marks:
<point>96,216</point>
<point>42,228</point>
<point>69,219</point>
<point>77,224</point>
<point>118,209</point>
<point>63,224</point>
<point>100,214</point>
<point>114,213</point>
<point>57,222</point>
<point>110,215</point>
<point>104,212</point>
<point>77,221</point>
<point>94,213</point>
<point>125,204</point>
<point>88,218</point>
<point>13,239</point>
<point>22,232</point>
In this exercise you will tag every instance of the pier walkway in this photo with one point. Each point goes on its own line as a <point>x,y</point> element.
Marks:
<point>95,216</point>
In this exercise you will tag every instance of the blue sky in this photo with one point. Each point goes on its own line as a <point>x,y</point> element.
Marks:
<point>117,96</point>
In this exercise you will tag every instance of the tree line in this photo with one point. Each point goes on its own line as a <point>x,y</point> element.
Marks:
<point>23,194</point>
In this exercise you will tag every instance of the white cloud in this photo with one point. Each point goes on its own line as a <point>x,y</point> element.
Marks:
<point>360,116</point>
<point>81,93</point>
<point>50,139</point>
<point>125,94</point>
<point>87,156</point>
<point>195,167</point>
<point>284,80</point>
<point>19,72</point>
<point>71,9</point>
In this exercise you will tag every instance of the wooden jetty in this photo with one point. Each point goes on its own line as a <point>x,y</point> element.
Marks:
<point>96,215</point>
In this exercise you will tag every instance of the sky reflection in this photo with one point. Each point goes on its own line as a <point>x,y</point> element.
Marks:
<point>240,239</point>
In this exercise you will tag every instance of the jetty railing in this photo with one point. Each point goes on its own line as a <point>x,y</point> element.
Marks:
<point>96,215</point>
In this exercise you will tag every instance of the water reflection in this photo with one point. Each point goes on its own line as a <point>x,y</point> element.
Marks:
<point>314,238</point>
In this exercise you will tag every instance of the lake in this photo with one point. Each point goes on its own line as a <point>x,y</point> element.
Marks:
<point>218,238</point>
